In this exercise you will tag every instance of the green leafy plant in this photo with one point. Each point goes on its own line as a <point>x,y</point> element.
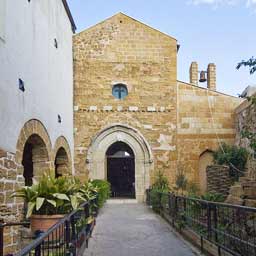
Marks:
<point>213,197</point>
<point>51,195</point>
<point>251,136</point>
<point>161,182</point>
<point>158,191</point>
<point>181,181</point>
<point>251,63</point>
<point>233,156</point>
<point>193,188</point>
<point>103,189</point>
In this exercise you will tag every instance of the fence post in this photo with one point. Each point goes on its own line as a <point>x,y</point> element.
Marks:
<point>185,208</point>
<point>215,222</point>
<point>209,222</point>
<point>176,208</point>
<point>1,237</point>
<point>38,250</point>
<point>67,234</point>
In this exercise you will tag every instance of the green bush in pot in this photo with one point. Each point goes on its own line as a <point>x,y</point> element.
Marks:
<point>51,195</point>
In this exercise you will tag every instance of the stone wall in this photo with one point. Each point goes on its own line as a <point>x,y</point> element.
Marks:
<point>178,120</point>
<point>246,120</point>
<point>205,119</point>
<point>122,50</point>
<point>218,179</point>
<point>11,209</point>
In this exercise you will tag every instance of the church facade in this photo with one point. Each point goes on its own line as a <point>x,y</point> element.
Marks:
<point>128,101</point>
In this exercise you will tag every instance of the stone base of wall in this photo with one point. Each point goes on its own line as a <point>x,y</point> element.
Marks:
<point>243,192</point>
<point>11,209</point>
<point>218,179</point>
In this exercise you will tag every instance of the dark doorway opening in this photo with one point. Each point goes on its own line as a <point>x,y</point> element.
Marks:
<point>35,158</point>
<point>121,170</point>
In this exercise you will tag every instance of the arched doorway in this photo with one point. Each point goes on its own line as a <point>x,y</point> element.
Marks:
<point>205,159</point>
<point>143,158</point>
<point>35,159</point>
<point>61,163</point>
<point>121,170</point>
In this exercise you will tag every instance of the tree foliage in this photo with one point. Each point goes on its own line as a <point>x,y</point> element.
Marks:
<point>251,63</point>
<point>233,156</point>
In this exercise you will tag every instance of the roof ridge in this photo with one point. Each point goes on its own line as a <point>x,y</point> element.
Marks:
<point>144,24</point>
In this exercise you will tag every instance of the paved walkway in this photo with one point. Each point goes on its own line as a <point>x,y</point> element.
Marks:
<point>130,229</point>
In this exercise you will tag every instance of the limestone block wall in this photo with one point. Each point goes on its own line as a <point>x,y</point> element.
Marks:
<point>180,121</point>
<point>122,50</point>
<point>218,179</point>
<point>205,119</point>
<point>11,209</point>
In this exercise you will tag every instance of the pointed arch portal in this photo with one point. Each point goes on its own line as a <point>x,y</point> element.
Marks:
<point>134,156</point>
<point>121,170</point>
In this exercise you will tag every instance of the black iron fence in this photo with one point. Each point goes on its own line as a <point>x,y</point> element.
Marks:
<point>69,236</point>
<point>231,228</point>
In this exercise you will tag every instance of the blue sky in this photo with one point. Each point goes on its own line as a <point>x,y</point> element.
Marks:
<point>219,31</point>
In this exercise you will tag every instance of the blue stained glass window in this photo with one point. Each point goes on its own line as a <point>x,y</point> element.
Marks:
<point>119,91</point>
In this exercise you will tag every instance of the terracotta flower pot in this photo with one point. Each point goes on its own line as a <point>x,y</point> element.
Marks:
<point>44,222</point>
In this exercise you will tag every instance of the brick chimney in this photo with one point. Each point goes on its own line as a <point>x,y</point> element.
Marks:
<point>211,77</point>
<point>193,73</point>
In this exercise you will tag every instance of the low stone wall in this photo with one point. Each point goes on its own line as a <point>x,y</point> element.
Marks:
<point>11,209</point>
<point>218,179</point>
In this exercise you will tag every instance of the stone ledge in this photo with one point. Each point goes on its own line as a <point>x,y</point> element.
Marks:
<point>149,109</point>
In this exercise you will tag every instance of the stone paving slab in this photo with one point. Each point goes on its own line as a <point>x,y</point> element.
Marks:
<point>127,229</point>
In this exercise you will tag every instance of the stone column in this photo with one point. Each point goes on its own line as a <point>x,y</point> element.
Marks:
<point>193,73</point>
<point>211,77</point>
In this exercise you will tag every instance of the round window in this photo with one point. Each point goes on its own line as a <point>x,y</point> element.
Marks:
<point>119,91</point>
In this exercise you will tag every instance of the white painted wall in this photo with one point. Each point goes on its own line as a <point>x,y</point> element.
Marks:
<point>27,51</point>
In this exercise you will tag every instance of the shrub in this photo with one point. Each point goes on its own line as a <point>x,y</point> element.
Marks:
<point>161,182</point>
<point>192,188</point>
<point>51,195</point>
<point>233,156</point>
<point>213,197</point>
<point>158,191</point>
<point>103,188</point>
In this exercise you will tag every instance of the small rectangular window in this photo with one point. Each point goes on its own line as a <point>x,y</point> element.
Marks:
<point>2,18</point>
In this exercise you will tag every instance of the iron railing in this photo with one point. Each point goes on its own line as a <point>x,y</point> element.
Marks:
<point>231,228</point>
<point>69,236</point>
<point>4,225</point>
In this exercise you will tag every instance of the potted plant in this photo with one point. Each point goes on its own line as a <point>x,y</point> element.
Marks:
<point>49,200</point>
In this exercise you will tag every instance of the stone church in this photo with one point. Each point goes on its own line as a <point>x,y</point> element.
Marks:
<point>101,104</point>
<point>133,118</point>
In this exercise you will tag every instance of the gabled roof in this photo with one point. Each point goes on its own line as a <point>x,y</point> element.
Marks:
<point>124,15</point>
<point>73,25</point>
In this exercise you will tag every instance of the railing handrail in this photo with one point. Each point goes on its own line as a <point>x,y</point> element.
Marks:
<point>230,227</point>
<point>218,203</point>
<point>253,209</point>
<point>44,235</point>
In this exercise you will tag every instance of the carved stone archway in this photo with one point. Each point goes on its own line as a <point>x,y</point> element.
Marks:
<point>96,157</point>
<point>34,150</point>
<point>63,159</point>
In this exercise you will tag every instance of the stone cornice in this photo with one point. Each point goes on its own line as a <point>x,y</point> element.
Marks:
<point>109,108</point>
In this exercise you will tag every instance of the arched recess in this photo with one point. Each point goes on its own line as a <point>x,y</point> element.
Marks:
<point>96,157</point>
<point>33,150</point>
<point>205,159</point>
<point>62,158</point>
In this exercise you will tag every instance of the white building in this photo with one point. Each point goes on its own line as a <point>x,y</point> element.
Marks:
<point>36,93</point>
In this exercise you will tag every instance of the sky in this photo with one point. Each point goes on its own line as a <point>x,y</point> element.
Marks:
<point>218,31</point>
